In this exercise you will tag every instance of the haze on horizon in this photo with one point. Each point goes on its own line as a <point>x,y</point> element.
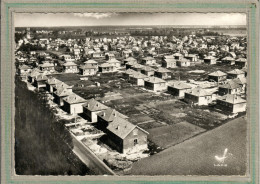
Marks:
<point>128,19</point>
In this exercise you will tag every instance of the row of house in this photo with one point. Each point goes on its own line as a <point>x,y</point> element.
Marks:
<point>122,134</point>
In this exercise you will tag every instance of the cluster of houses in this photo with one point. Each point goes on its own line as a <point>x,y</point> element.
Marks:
<point>106,55</point>
<point>122,134</point>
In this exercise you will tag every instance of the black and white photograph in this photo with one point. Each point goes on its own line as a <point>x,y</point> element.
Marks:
<point>131,94</point>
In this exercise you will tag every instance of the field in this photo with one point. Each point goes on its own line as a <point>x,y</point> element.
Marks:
<point>167,136</point>
<point>184,73</point>
<point>196,156</point>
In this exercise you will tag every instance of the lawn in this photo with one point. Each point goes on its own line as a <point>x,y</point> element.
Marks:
<point>196,156</point>
<point>167,136</point>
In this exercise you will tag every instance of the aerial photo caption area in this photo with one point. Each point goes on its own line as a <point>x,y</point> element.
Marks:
<point>162,99</point>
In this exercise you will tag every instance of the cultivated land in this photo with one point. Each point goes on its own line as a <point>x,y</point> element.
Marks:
<point>197,156</point>
<point>168,120</point>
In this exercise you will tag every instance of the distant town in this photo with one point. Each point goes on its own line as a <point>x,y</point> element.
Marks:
<point>131,94</point>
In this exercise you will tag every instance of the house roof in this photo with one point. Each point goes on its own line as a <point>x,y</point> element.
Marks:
<point>169,60</point>
<point>148,68</point>
<point>233,99</point>
<point>61,85</point>
<point>133,62</point>
<point>53,80</point>
<point>236,72</point>
<point>130,59</point>
<point>130,71</point>
<point>73,99</point>
<point>155,80</point>
<point>24,67</point>
<point>210,57</point>
<point>180,85</point>
<point>148,58</point>
<point>168,57</point>
<point>35,72</point>
<point>113,61</point>
<point>70,63</point>
<point>217,73</point>
<point>198,91</point>
<point>137,66</point>
<point>110,114</point>
<point>228,59</point>
<point>87,66</point>
<point>177,54</point>
<point>230,85</point>
<point>120,127</point>
<point>94,105</point>
<point>162,70</point>
<point>41,77</point>
<point>106,65</point>
<point>47,64</point>
<point>240,80</point>
<point>138,75</point>
<point>91,61</point>
<point>63,92</point>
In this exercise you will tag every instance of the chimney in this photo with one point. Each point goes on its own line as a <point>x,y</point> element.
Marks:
<point>117,127</point>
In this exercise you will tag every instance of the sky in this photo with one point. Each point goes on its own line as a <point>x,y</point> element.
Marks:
<point>98,19</point>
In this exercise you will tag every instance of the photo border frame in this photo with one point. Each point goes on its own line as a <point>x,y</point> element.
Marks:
<point>9,7</point>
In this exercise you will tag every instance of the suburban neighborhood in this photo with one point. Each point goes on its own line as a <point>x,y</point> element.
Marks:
<point>128,95</point>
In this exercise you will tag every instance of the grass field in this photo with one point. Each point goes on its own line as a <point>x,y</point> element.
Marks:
<point>184,74</point>
<point>196,156</point>
<point>167,136</point>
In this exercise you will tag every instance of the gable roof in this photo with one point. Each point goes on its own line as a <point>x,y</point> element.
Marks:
<point>35,72</point>
<point>70,63</point>
<point>94,105</point>
<point>121,127</point>
<point>53,80</point>
<point>168,57</point>
<point>73,98</point>
<point>155,80</point>
<point>61,85</point>
<point>217,73</point>
<point>138,75</point>
<point>41,77</point>
<point>148,68</point>
<point>169,60</point>
<point>162,70</point>
<point>198,91</point>
<point>63,92</point>
<point>110,114</point>
<point>130,71</point>
<point>180,85</point>
<point>233,99</point>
